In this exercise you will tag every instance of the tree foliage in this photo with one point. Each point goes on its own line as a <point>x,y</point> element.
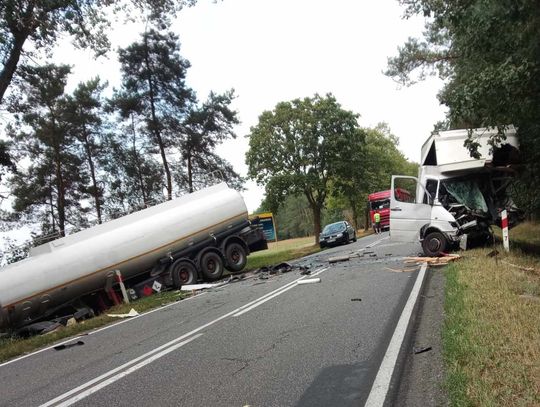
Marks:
<point>298,147</point>
<point>52,186</point>
<point>489,54</point>
<point>153,80</point>
<point>42,22</point>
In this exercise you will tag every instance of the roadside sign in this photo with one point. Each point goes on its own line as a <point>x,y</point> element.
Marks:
<point>269,228</point>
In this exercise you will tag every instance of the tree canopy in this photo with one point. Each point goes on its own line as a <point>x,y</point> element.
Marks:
<point>299,146</point>
<point>42,22</point>
<point>489,54</point>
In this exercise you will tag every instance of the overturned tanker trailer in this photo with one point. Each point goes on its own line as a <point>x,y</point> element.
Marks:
<point>456,198</point>
<point>181,241</point>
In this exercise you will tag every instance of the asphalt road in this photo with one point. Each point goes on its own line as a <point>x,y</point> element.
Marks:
<point>258,342</point>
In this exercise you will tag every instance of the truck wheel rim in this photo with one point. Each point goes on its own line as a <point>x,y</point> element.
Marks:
<point>434,245</point>
<point>235,255</point>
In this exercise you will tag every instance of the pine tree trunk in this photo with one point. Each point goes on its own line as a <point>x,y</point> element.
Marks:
<point>190,172</point>
<point>90,159</point>
<point>61,197</point>
<point>138,163</point>
<point>9,68</point>
<point>155,127</point>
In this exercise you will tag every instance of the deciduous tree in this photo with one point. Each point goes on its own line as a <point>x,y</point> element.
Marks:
<point>296,148</point>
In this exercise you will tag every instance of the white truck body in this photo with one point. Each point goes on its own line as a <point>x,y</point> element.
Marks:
<point>67,268</point>
<point>456,197</point>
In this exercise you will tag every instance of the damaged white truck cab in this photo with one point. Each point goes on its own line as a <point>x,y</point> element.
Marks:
<point>456,198</point>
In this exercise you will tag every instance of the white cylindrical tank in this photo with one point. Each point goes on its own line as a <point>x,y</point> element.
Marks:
<point>77,264</point>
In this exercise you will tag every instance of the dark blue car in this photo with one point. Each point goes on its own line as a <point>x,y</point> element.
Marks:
<point>337,233</point>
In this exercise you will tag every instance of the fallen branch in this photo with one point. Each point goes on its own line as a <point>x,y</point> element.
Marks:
<point>522,268</point>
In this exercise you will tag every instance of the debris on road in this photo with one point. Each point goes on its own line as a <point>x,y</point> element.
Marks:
<point>338,259</point>
<point>418,350</point>
<point>68,345</point>
<point>356,299</point>
<point>39,328</point>
<point>309,281</point>
<point>305,270</point>
<point>403,270</point>
<point>130,314</point>
<point>282,268</point>
<point>433,261</point>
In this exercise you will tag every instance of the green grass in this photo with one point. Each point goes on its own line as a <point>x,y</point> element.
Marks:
<point>491,334</point>
<point>525,236</point>
<point>282,251</point>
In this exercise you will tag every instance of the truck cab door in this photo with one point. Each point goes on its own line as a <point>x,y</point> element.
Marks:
<point>407,212</point>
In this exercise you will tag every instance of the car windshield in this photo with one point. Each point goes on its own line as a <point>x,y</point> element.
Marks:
<point>334,228</point>
<point>381,204</point>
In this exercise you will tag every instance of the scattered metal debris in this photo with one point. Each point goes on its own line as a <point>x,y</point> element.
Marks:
<point>130,314</point>
<point>38,328</point>
<point>68,345</point>
<point>416,351</point>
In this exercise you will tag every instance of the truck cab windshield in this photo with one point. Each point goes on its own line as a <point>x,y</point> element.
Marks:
<point>381,204</point>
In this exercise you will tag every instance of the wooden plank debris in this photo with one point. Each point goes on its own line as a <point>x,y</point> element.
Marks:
<point>433,261</point>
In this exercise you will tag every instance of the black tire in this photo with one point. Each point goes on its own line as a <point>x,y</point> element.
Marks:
<point>434,244</point>
<point>235,256</point>
<point>211,265</point>
<point>183,272</point>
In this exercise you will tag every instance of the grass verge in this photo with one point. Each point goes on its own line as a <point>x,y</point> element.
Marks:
<point>525,236</point>
<point>491,335</point>
<point>12,347</point>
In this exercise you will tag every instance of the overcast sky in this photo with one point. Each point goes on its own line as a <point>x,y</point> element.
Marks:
<point>272,51</point>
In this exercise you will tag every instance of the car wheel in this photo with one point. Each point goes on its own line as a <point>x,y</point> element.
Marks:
<point>434,244</point>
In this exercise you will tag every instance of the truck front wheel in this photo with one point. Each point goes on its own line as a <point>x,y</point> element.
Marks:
<point>434,244</point>
<point>236,257</point>
<point>211,266</point>
<point>183,272</point>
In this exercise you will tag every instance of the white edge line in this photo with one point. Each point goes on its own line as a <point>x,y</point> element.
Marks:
<point>96,331</point>
<point>126,372</point>
<point>381,383</point>
<point>131,362</point>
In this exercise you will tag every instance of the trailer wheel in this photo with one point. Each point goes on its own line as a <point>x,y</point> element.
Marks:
<point>183,272</point>
<point>236,257</point>
<point>434,244</point>
<point>211,265</point>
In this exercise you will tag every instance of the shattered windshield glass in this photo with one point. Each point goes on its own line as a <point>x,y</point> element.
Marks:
<point>466,192</point>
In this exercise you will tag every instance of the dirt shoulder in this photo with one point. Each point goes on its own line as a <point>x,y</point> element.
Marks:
<point>422,376</point>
